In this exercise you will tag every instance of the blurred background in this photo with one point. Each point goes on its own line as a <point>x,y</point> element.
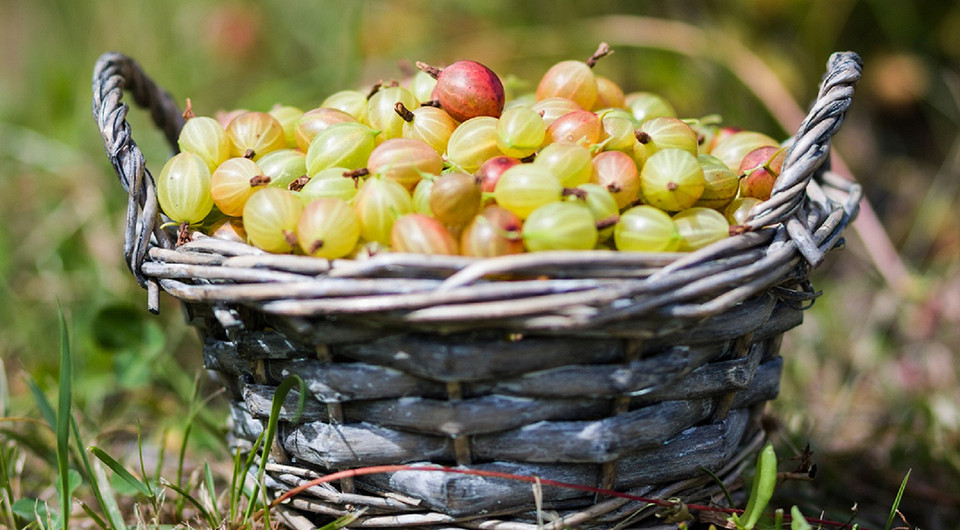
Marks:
<point>871,377</point>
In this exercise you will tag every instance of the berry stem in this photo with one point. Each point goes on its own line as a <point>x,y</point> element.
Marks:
<point>183,234</point>
<point>298,183</point>
<point>356,173</point>
<point>403,111</point>
<point>259,180</point>
<point>602,51</point>
<point>249,153</point>
<point>432,71</point>
<point>317,245</point>
<point>431,103</point>
<point>188,112</point>
<point>576,192</point>
<point>374,89</point>
<point>766,165</point>
<point>290,238</point>
<point>642,136</point>
<point>607,222</point>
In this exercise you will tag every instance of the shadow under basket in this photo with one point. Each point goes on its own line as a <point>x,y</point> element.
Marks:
<point>642,373</point>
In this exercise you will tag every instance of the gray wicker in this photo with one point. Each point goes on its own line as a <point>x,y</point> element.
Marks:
<point>632,371</point>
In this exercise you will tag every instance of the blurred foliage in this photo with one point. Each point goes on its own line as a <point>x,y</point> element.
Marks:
<point>872,376</point>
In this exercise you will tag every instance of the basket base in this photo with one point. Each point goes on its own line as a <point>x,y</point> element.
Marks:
<point>452,500</point>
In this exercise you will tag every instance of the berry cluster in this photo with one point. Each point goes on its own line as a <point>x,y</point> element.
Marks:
<point>445,164</point>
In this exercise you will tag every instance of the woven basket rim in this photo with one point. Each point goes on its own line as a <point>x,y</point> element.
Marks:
<point>786,237</point>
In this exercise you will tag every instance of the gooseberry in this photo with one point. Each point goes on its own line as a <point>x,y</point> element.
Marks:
<point>672,180</point>
<point>720,183</point>
<point>495,231</point>
<point>405,160</point>
<point>467,89</point>
<point>562,225</point>
<point>422,234</point>
<point>254,134</point>
<point>760,169</point>
<point>270,218</point>
<point>455,198</point>
<point>234,182</point>
<point>328,228</point>
<point>183,188</point>
<point>646,229</point>
<point>698,227</point>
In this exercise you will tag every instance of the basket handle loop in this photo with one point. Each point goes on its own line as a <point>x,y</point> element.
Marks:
<point>809,149</point>
<point>113,73</point>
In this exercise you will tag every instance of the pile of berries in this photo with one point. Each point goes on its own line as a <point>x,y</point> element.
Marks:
<point>444,164</point>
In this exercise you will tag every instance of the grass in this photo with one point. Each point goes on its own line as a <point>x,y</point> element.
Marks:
<point>871,379</point>
<point>147,493</point>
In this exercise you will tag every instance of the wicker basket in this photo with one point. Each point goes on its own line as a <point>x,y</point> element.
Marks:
<point>620,370</point>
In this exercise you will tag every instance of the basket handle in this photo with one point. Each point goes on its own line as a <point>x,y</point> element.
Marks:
<point>113,73</point>
<point>809,149</point>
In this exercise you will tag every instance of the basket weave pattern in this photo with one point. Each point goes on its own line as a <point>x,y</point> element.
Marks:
<point>620,370</point>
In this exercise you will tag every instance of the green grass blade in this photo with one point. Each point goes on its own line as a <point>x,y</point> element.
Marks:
<point>195,406</point>
<point>4,391</point>
<point>253,495</point>
<point>719,483</point>
<point>63,421</point>
<point>98,484</point>
<point>271,431</point>
<point>764,482</point>
<point>211,490</point>
<point>186,430</point>
<point>6,484</point>
<point>204,512</point>
<point>896,501</point>
<point>73,482</point>
<point>234,486</point>
<point>181,457</point>
<point>344,520</point>
<point>93,515</point>
<point>161,457</point>
<point>244,475</point>
<point>5,476</point>
<point>53,419</point>
<point>141,487</point>
<point>46,409</point>
<point>143,470</point>
<point>798,521</point>
<point>104,494</point>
